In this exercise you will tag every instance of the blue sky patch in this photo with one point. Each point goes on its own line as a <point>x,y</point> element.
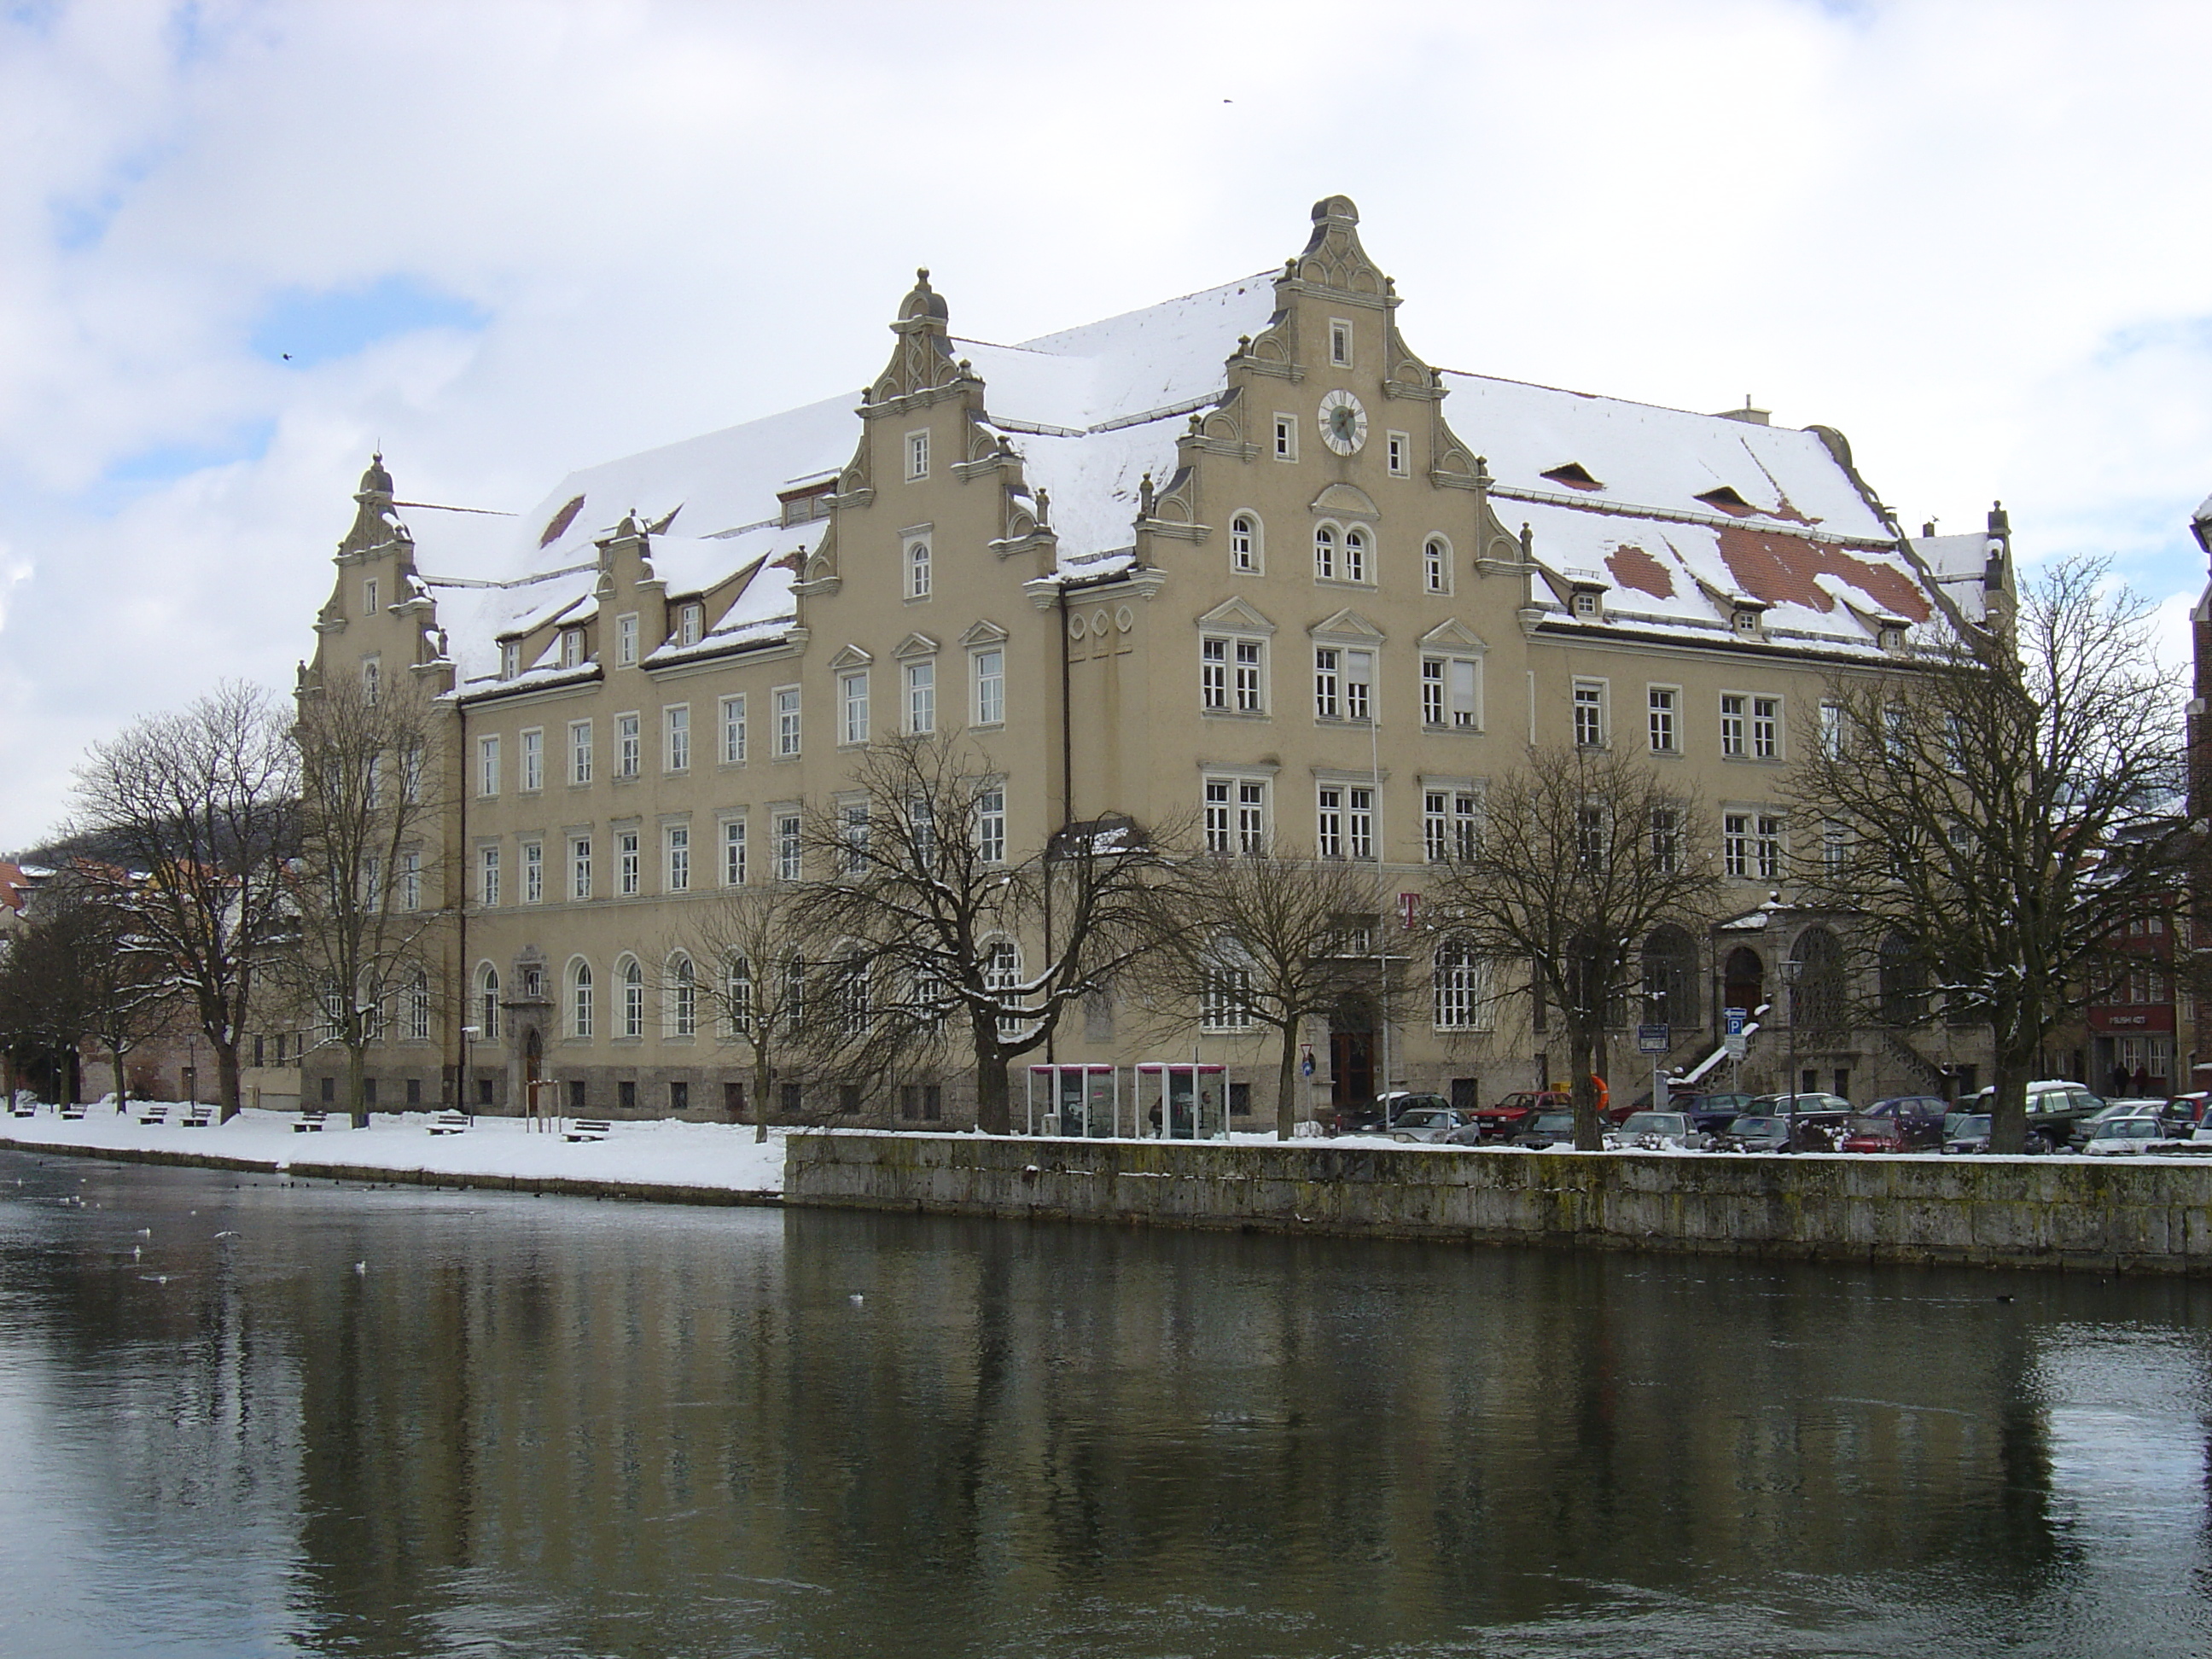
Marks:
<point>310,328</point>
<point>165,463</point>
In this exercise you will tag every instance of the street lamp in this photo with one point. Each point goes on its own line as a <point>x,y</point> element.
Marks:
<point>469,1036</point>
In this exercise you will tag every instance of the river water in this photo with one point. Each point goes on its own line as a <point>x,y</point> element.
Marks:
<point>242,1417</point>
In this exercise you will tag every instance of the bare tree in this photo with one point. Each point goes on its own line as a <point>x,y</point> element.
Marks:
<point>369,793</point>
<point>749,952</point>
<point>1582,853</point>
<point>917,887</point>
<point>200,807</point>
<point>81,963</point>
<point>1241,939</point>
<point>1998,813</point>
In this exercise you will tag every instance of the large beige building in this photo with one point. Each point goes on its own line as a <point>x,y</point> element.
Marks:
<point>1242,558</point>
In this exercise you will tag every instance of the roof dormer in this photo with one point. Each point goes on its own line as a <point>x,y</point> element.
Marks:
<point>1574,474</point>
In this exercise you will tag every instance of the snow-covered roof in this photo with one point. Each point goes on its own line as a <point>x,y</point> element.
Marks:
<point>2204,513</point>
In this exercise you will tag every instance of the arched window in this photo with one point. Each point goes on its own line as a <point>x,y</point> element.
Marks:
<point>738,995</point>
<point>1325,551</point>
<point>579,998</point>
<point>1817,999</point>
<point>1002,976</point>
<point>1904,982</point>
<point>856,1008</point>
<point>418,1007</point>
<point>1436,565</point>
<point>1743,979</point>
<point>1356,567</point>
<point>1462,1002</point>
<point>487,1004</point>
<point>681,1016</point>
<point>1670,978</point>
<point>1244,546</point>
<point>633,995</point>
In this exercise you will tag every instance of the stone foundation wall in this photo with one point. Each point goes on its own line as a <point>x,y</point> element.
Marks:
<point>2105,1216</point>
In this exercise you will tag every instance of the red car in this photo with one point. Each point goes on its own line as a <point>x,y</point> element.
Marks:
<point>1509,1115</point>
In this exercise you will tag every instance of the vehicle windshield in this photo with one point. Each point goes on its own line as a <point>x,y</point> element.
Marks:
<point>1756,1126</point>
<point>1872,1123</point>
<point>2125,1128</point>
<point>1654,1123</point>
<point>1552,1123</point>
<point>1974,1127</point>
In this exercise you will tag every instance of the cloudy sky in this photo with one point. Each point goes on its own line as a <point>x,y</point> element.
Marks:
<point>243,241</point>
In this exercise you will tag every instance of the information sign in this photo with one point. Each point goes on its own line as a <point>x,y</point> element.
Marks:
<point>1654,1039</point>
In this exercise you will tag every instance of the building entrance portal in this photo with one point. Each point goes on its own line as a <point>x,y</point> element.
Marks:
<point>1351,1070</point>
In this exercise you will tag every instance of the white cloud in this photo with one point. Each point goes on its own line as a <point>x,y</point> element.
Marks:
<point>1972,237</point>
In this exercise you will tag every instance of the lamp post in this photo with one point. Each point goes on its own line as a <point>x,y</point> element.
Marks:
<point>462,1086</point>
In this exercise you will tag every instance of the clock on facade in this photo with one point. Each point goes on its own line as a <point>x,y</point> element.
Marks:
<point>1343,423</point>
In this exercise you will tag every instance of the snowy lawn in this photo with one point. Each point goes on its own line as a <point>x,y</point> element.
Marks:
<point>658,1152</point>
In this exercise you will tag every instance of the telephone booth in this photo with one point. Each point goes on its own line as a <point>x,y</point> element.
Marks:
<point>1182,1101</point>
<point>1075,1100</point>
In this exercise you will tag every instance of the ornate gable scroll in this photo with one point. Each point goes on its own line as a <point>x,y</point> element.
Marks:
<point>1333,257</point>
<point>922,361</point>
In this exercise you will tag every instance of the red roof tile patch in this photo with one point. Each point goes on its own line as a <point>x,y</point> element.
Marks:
<point>1632,567</point>
<point>1780,569</point>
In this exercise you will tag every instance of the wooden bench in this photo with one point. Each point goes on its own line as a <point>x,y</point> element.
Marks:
<point>590,1128</point>
<point>309,1122</point>
<point>154,1115</point>
<point>451,1123</point>
<point>72,1114</point>
<point>25,1109</point>
<point>199,1117</point>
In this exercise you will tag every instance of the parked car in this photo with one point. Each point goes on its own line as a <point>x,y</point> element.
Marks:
<point>1425,1123</point>
<point>2188,1109</point>
<point>1513,1113</point>
<point>2128,1137</point>
<point>1545,1129</point>
<point>1823,1119</point>
<point>1902,1124</point>
<point>1753,1131</point>
<point>2054,1107</point>
<point>1380,1116</point>
<point>1967,1132</point>
<point>1650,1131</point>
<point>1716,1111</point>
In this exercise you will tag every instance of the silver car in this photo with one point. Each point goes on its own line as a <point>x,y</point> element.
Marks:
<point>1650,1131</point>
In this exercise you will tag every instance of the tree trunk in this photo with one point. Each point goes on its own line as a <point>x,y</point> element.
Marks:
<point>2008,1102</point>
<point>122,1086</point>
<point>226,1073</point>
<point>1589,1135</point>
<point>993,1107</point>
<point>1286,1083</point>
<point>356,1080</point>
<point>763,1080</point>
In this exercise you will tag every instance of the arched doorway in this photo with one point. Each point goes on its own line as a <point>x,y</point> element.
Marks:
<point>1743,979</point>
<point>1351,1057</point>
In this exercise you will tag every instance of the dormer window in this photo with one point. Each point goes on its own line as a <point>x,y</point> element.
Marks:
<point>1574,474</point>
<point>689,620</point>
<point>510,659</point>
<point>1585,604</point>
<point>572,647</point>
<point>1745,622</point>
<point>1891,638</point>
<point>1725,500</point>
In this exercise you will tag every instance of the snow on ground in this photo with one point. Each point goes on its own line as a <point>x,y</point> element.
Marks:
<point>650,1152</point>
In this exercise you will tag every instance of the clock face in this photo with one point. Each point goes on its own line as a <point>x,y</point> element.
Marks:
<point>1343,423</point>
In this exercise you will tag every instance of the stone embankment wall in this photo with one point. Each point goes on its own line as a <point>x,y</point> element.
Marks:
<point>2105,1216</point>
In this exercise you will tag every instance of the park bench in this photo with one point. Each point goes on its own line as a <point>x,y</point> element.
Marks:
<point>73,1113</point>
<point>198,1117</point>
<point>590,1128</point>
<point>309,1122</point>
<point>24,1107</point>
<point>153,1115</point>
<point>450,1123</point>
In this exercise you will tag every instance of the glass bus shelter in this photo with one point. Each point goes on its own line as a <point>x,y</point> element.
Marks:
<point>1182,1101</point>
<point>1077,1100</point>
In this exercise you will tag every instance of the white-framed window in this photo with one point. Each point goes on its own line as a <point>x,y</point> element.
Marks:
<point>921,698</point>
<point>991,824</point>
<point>1733,711</point>
<point>572,647</point>
<point>372,679</point>
<point>1235,815</point>
<point>579,998</point>
<point>1002,976</point>
<point>737,995</point>
<point>1246,548</point>
<point>1356,567</point>
<point>989,673</point>
<point>411,880</point>
<point>734,852</point>
<point>1745,622</point>
<point>368,591</point>
<point>1766,846</point>
<point>1448,823</point>
<point>1286,436</point>
<point>787,721</point>
<point>1831,730</point>
<point>1752,845</point>
<point>1339,342</point>
<point>1462,999</point>
<point>371,882</point>
<point>1585,606</point>
<point>1659,715</point>
<point>1398,454</point>
<point>626,640</point>
<point>690,622</point>
<point>853,706</point>
<point>628,876</point>
<point>917,568</point>
<point>418,1007</point>
<point>733,730</point>
<point>1232,674</point>
<point>681,1018</point>
<point>1225,1003</point>
<point>852,836</point>
<point>631,972</point>
<point>1590,714</point>
<point>1344,684</point>
<point>1325,551</point>
<point>1451,692</point>
<point>410,775</point>
<point>1344,822</point>
<point>676,735</point>
<point>533,761</point>
<point>1665,840</point>
<point>1436,565</point>
<point>533,873</point>
<point>1835,846</point>
<point>629,745</point>
<point>510,659</point>
<point>788,846</point>
<point>488,767</point>
<point>580,751</point>
<point>1766,728</point>
<point>488,1009</point>
<point>675,854</point>
<point>488,877</point>
<point>580,866</point>
<point>917,455</point>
